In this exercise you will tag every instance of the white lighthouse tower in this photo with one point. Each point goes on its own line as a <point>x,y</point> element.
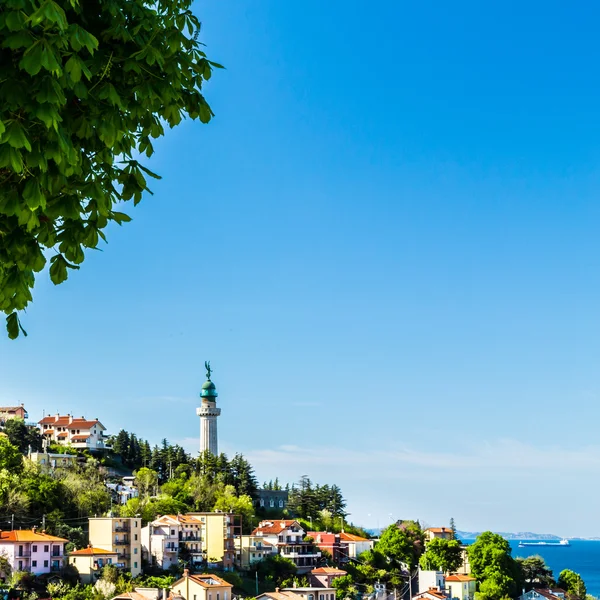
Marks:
<point>208,413</point>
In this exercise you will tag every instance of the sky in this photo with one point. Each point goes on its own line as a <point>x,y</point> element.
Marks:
<point>386,243</point>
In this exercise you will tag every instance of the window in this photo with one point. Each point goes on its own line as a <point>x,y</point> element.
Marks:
<point>34,548</point>
<point>135,565</point>
<point>321,597</point>
<point>135,536</point>
<point>311,597</point>
<point>135,550</point>
<point>224,595</point>
<point>135,523</point>
<point>55,550</point>
<point>34,563</point>
<point>194,596</point>
<point>253,555</point>
<point>281,504</point>
<point>45,563</point>
<point>262,502</point>
<point>217,595</point>
<point>172,532</point>
<point>46,548</point>
<point>20,565</point>
<point>271,503</point>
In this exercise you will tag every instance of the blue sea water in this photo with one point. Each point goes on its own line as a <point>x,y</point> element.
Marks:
<point>582,556</point>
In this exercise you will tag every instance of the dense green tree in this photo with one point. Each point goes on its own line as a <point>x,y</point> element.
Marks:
<point>23,436</point>
<point>453,528</point>
<point>146,481</point>
<point>401,544</point>
<point>572,583</point>
<point>274,569</point>
<point>86,87</point>
<point>443,555</point>
<point>344,587</point>
<point>535,572</point>
<point>493,566</point>
<point>10,457</point>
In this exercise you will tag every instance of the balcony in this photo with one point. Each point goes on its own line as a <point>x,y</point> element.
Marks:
<point>124,555</point>
<point>24,554</point>
<point>295,554</point>
<point>171,548</point>
<point>124,528</point>
<point>122,541</point>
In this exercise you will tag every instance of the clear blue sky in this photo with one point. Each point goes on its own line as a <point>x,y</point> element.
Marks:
<point>387,243</point>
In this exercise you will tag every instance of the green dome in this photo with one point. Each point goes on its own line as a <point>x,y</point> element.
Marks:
<point>209,390</point>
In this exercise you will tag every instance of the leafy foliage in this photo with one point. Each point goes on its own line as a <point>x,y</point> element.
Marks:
<point>494,568</point>
<point>443,555</point>
<point>572,583</point>
<point>275,569</point>
<point>23,436</point>
<point>307,499</point>
<point>85,89</point>
<point>535,572</point>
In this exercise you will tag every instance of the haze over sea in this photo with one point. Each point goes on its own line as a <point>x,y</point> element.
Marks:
<point>582,556</point>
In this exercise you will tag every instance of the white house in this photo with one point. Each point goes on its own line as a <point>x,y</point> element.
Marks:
<point>544,594</point>
<point>70,431</point>
<point>431,580</point>
<point>28,550</point>
<point>288,537</point>
<point>356,545</point>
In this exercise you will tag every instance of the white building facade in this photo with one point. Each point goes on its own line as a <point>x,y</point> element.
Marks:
<point>79,433</point>
<point>28,550</point>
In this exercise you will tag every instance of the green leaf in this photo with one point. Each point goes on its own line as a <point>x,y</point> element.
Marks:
<point>20,39</point>
<point>2,128</point>
<point>33,195</point>
<point>73,68</point>
<point>15,136</point>
<point>12,326</point>
<point>120,217</point>
<point>149,172</point>
<point>58,270</point>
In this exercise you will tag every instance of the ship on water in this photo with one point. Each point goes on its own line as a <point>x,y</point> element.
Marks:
<point>562,542</point>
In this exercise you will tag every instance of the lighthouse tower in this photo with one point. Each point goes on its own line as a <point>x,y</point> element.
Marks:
<point>208,413</point>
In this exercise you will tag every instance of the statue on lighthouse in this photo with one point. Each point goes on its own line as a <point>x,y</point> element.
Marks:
<point>208,413</point>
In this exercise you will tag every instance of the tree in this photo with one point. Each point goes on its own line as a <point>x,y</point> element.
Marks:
<point>227,501</point>
<point>86,87</point>
<point>10,457</point>
<point>22,436</point>
<point>344,587</point>
<point>572,583</point>
<point>275,569</point>
<point>493,566</point>
<point>442,555</point>
<point>146,480</point>
<point>453,528</point>
<point>535,572</point>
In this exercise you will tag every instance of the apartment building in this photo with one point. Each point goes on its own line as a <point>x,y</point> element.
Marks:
<point>121,535</point>
<point>28,550</point>
<point>90,561</point>
<point>201,587</point>
<point>197,538</point>
<point>252,548</point>
<point>79,433</point>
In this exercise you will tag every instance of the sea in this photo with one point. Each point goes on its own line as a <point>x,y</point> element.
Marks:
<point>581,556</point>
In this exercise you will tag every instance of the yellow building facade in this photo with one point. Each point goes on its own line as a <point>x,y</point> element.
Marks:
<point>201,587</point>
<point>90,561</point>
<point>120,535</point>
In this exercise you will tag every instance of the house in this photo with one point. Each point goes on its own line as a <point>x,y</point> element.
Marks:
<point>206,538</point>
<point>299,593</point>
<point>140,593</point>
<point>201,587</point>
<point>331,543</point>
<point>443,533</point>
<point>544,594</point>
<point>90,561</point>
<point>323,576</point>
<point>121,535</point>
<point>271,499</point>
<point>49,461</point>
<point>122,493</point>
<point>431,580</point>
<point>288,537</point>
<point>70,431</point>
<point>252,548</point>
<point>431,594</point>
<point>29,550</point>
<point>12,412</point>
<point>462,587</point>
<point>355,544</point>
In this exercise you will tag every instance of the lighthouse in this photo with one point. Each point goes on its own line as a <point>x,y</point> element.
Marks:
<point>208,413</point>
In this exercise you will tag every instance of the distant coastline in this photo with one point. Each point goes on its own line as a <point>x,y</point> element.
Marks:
<point>521,535</point>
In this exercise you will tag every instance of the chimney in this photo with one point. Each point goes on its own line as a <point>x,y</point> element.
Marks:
<point>34,528</point>
<point>186,572</point>
<point>277,590</point>
<point>56,417</point>
<point>70,419</point>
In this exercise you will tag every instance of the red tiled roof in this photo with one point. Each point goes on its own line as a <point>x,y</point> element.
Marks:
<point>206,580</point>
<point>62,434</point>
<point>439,529</point>
<point>74,424</point>
<point>350,537</point>
<point>90,551</point>
<point>432,592</point>
<point>79,437</point>
<point>328,571</point>
<point>460,578</point>
<point>274,527</point>
<point>11,408</point>
<point>28,535</point>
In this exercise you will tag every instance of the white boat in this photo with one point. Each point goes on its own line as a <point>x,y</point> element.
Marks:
<point>563,542</point>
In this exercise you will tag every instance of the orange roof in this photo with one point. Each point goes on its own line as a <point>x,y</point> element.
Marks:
<point>28,535</point>
<point>80,437</point>
<point>432,592</point>
<point>439,529</point>
<point>460,578</point>
<point>74,424</point>
<point>62,434</point>
<point>131,596</point>
<point>328,571</point>
<point>48,432</point>
<point>90,551</point>
<point>274,527</point>
<point>350,537</point>
<point>11,408</point>
<point>206,580</point>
